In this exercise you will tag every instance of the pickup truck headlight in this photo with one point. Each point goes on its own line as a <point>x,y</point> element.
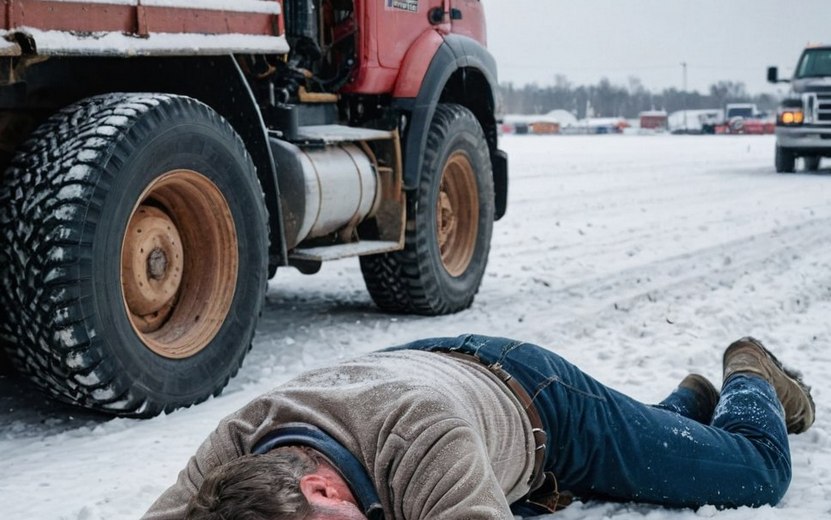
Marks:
<point>791,116</point>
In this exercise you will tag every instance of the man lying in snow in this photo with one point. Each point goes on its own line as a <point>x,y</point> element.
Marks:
<point>478,427</point>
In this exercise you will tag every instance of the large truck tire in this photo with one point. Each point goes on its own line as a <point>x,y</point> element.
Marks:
<point>785,160</point>
<point>133,260</point>
<point>449,224</point>
<point>811,162</point>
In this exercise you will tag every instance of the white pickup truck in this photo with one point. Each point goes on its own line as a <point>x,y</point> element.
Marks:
<point>803,124</point>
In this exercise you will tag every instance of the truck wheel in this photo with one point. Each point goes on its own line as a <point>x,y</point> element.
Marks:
<point>450,220</point>
<point>811,163</point>
<point>785,160</point>
<point>133,255</point>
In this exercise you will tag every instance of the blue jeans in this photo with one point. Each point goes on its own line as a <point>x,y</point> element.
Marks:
<point>603,444</point>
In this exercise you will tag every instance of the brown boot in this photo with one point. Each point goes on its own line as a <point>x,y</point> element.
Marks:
<point>749,356</point>
<point>703,388</point>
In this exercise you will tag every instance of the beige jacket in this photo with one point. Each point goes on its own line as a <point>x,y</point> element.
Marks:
<point>441,438</point>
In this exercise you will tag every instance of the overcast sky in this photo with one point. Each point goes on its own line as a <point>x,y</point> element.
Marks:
<point>533,40</point>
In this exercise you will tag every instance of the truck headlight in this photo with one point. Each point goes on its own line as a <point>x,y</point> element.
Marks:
<point>789,116</point>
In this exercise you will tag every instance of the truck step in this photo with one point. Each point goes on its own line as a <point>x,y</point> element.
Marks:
<point>367,247</point>
<point>331,134</point>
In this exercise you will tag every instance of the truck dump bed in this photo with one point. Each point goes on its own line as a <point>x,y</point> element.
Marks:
<point>141,27</point>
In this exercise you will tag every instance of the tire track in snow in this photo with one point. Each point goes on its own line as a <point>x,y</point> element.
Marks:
<point>721,264</point>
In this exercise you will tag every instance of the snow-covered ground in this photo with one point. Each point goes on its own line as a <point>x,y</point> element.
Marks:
<point>637,257</point>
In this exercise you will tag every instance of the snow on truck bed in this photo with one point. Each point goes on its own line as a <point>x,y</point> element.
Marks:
<point>637,257</point>
<point>62,43</point>
<point>248,6</point>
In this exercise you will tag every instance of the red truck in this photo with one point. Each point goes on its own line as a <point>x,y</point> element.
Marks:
<point>744,118</point>
<point>162,158</point>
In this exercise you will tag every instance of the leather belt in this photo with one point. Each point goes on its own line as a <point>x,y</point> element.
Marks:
<point>540,437</point>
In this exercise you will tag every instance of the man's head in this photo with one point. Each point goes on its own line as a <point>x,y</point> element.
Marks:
<point>291,483</point>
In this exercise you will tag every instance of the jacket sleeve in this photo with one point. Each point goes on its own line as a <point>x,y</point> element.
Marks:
<point>234,437</point>
<point>446,474</point>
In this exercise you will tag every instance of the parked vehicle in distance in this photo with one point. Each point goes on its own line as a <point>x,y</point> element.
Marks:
<point>736,118</point>
<point>803,123</point>
<point>744,118</point>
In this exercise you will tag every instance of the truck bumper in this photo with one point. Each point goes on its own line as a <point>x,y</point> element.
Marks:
<point>805,139</point>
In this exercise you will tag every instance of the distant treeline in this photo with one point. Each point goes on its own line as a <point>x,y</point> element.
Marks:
<point>609,100</point>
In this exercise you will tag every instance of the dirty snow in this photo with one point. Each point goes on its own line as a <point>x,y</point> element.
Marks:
<point>637,257</point>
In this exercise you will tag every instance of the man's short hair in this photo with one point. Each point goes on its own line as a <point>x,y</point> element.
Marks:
<point>257,487</point>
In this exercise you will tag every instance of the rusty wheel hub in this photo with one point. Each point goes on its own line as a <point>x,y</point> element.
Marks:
<point>457,214</point>
<point>179,262</point>
<point>151,268</point>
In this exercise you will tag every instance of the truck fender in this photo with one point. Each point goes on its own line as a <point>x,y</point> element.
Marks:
<point>415,64</point>
<point>455,54</point>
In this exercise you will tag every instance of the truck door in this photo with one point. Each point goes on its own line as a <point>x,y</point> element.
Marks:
<point>399,24</point>
<point>468,19</point>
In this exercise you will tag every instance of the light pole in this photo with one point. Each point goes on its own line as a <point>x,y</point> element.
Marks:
<point>684,98</point>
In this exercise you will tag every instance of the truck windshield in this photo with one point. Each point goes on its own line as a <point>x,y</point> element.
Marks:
<point>814,63</point>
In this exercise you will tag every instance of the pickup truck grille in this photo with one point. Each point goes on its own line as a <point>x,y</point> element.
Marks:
<point>823,108</point>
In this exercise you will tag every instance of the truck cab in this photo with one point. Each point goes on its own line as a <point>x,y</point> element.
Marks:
<point>803,123</point>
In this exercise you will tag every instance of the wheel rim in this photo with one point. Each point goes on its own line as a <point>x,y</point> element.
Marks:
<point>457,214</point>
<point>179,262</point>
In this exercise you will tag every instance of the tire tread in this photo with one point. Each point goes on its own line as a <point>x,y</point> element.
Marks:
<point>48,213</point>
<point>401,281</point>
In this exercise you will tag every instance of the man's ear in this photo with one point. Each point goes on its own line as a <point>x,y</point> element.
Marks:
<point>318,489</point>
